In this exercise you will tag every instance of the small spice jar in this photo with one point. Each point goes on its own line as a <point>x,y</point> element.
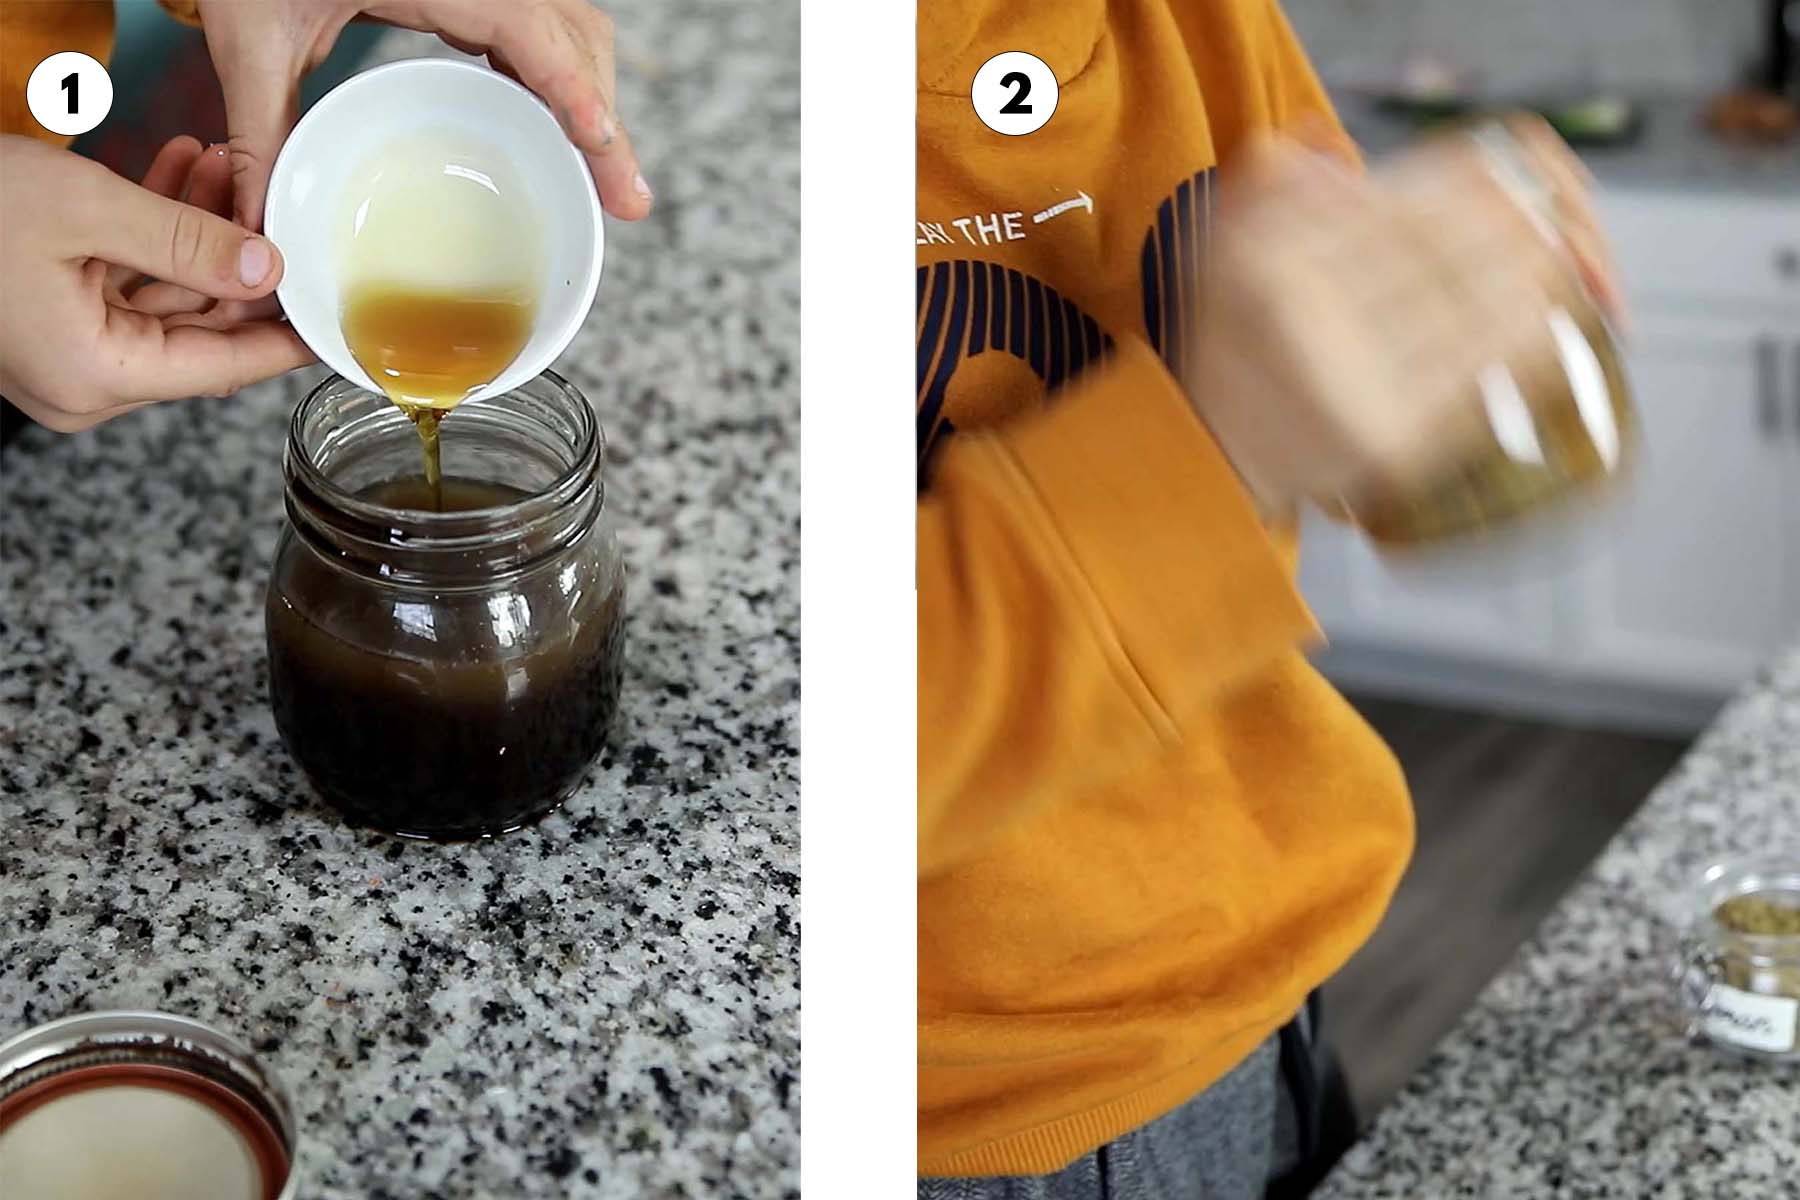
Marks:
<point>445,665</point>
<point>1740,966</point>
<point>144,1104</point>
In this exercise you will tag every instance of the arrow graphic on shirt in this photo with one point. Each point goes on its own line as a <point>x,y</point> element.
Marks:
<point>1082,200</point>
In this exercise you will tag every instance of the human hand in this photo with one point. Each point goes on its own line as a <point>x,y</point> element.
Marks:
<point>84,335</point>
<point>560,49</point>
<point>1347,318</point>
<point>1570,187</point>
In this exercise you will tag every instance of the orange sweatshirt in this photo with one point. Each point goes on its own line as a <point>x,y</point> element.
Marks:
<point>1147,828</point>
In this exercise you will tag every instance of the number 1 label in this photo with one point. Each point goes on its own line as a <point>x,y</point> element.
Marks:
<point>69,93</point>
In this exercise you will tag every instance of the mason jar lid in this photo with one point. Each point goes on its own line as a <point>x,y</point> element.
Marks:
<point>141,1104</point>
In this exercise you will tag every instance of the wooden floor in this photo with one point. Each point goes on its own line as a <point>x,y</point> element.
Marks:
<point>1510,813</point>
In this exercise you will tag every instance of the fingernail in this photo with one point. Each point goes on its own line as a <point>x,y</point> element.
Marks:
<point>643,188</point>
<point>254,261</point>
<point>608,130</point>
<point>217,148</point>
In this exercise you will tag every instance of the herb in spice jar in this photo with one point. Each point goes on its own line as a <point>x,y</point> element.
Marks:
<point>1756,914</point>
<point>1761,915</point>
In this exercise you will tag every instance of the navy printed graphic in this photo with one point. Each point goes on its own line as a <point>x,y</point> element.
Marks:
<point>1172,266</point>
<point>968,308</point>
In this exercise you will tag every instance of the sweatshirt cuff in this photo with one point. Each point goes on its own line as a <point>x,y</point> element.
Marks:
<point>1162,530</point>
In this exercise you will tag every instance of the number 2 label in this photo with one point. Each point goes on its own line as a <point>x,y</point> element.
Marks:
<point>1014,93</point>
<point>1018,79</point>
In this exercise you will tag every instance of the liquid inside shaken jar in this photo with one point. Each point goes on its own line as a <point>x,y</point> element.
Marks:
<point>446,674</point>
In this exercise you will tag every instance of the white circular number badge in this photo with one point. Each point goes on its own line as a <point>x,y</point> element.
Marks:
<point>69,93</point>
<point>1014,93</point>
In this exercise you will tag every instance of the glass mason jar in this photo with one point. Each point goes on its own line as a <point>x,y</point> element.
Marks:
<point>1558,424</point>
<point>445,674</point>
<point>1739,970</point>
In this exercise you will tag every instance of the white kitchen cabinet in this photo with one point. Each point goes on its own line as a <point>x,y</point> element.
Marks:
<point>1706,251</point>
<point>1662,603</point>
<point>1496,609</point>
<point>1693,579</point>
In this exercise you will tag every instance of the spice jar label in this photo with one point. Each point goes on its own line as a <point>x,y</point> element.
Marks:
<point>1754,1022</point>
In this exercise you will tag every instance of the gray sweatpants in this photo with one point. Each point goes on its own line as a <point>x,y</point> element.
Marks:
<point>1227,1143</point>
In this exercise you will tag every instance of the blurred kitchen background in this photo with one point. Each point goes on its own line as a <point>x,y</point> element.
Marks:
<point>1537,687</point>
<point>1681,49</point>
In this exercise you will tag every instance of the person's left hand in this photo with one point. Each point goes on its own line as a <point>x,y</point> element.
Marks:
<point>113,296</point>
<point>560,49</point>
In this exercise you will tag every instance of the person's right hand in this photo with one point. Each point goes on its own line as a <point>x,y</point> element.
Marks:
<point>1346,318</point>
<point>113,295</point>
<point>560,49</point>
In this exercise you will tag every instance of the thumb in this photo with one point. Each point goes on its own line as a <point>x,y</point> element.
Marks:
<point>258,121</point>
<point>134,227</point>
<point>262,102</point>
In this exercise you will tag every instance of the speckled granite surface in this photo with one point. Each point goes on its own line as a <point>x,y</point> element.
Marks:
<point>604,1005</point>
<point>1570,1076</point>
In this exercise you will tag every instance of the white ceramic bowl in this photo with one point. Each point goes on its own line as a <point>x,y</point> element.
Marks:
<point>370,110</point>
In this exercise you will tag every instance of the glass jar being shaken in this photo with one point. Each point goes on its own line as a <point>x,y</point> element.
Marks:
<point>446,664</point>
<point>1559,419</point>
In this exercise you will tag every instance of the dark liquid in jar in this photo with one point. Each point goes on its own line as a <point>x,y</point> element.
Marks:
<point>441,749</point>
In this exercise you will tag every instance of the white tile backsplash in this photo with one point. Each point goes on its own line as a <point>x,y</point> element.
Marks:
<point>1529,46</point>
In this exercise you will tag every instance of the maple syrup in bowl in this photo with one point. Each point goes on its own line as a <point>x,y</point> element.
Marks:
<point>440,268</point>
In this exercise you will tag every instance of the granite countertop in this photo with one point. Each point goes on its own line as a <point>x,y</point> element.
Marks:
<point>605,1004</point>
<point>1571,1076</point>
<point>1672,151</point>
